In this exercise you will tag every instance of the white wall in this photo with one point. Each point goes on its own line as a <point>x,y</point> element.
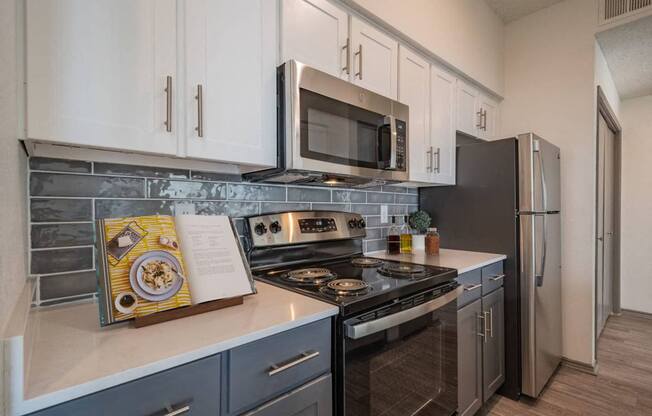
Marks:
<point>13,240</point>
<point>603,78</point>
<point>636,204</point>
<point>467,34</point>
<point>551,70</point>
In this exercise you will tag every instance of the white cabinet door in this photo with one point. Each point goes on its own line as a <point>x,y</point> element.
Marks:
<point>442,125</point>
<point>413,90</point>
<point>231,54</point>
<point>468,119</point>
<point>97,70</point>
<point>374,60</point>
<point>488,124</point>
<point>315,32</point>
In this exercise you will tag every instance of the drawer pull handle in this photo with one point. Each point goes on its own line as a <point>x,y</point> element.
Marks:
<point>496,277</point>
<point>473,287</point>
<point>179,411</point>
<point>278,368</point>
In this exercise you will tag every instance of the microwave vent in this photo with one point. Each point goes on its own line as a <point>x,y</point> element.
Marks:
<point>615,9</point>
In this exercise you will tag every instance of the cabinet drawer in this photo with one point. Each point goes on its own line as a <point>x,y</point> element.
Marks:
<point>472,282</point>
<point>492,277</point>
<point>196,385</point>
<point>264,369</point>
<point>312,399</point>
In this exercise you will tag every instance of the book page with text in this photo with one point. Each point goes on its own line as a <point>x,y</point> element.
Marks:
<point>215,267</point>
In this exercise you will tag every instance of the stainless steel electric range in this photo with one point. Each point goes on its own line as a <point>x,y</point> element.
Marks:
<point>395,339</point>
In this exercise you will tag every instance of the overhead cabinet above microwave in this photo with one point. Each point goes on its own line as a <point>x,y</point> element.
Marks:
<point>105,74</point>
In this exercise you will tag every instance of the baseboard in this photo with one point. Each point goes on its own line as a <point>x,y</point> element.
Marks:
<point>580,366</point>
<point>637,313</point>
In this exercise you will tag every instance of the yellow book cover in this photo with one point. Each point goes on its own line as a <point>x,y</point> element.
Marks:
<point>140,267</point>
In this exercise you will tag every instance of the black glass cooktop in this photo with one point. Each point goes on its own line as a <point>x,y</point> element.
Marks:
<point>358,283</point>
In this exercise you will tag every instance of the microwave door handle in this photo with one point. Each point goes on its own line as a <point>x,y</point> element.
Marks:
<point>393,141</point>
<point>381,324</point>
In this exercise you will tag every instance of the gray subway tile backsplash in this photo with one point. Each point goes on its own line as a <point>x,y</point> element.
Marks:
<point>63,207</point>
<point>53,210</point>
<point>61,235</point>
<point>57,184</point>
<point>141,171</point>
<point>162,188</point>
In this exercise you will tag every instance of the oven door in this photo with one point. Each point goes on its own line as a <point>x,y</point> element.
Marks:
<point>339,128</point>
<point>404,363</point>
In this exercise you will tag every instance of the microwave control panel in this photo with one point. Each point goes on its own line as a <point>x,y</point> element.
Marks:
<point>401,145</point>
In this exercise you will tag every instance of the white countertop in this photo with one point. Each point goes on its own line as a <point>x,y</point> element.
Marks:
<point>69,355</point>
<point>463,261</point>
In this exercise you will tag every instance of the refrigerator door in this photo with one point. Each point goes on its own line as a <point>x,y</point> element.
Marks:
<point>541,299</point>
<point>539,177</point>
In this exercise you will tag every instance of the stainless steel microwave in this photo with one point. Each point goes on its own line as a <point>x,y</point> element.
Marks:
<point>332,132</point>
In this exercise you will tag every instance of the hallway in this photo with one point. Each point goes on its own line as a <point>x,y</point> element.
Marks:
<point>623,385</point>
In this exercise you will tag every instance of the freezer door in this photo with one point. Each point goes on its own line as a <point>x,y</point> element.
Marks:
<point>539,177</point>
<point>540,299</point>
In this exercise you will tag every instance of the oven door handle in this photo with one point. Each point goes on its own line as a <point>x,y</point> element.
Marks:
<point>367,328</point>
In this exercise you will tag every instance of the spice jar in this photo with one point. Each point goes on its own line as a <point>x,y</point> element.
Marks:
<point>432,242</point>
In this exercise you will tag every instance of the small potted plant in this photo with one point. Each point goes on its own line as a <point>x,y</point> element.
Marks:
<point>419,221</point>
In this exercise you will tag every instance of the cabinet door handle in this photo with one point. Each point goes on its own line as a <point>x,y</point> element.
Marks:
<point>496,277</point>
<point>429,155</point>
<point>484,120</point>
<point>473,287</point>
<point>483,334</point>
<point>490,321</point>
<point>168,103</point>
<point>487,324</point>
<point>479,122</point>
<point>200,111</point>
<point>278,368</point>
<point>347,47</point>
<point>359,54</point>
<point>179,411</point>
<point>438,153</point>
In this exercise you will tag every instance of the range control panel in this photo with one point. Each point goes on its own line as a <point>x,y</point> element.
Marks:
<point>300,227</point>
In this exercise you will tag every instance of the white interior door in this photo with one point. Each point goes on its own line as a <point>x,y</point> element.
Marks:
<point>442,125</point>
<point>467,119</point>
<point>97,70</point>
<point>413,90</point>
<point>315,32</point>
<point>374,64</point>
<point>231,53</point>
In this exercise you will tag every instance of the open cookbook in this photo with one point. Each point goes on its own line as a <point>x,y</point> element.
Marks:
<point>154,263</point>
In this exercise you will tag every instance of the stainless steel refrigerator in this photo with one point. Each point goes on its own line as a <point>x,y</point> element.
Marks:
<point>507,200</point>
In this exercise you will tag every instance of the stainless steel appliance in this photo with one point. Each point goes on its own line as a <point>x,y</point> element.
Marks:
<point>332,132</point>
<point>507,200</point>
<point>395,338</point>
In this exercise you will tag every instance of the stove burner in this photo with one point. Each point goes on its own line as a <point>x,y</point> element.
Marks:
<point>311,276</point>
<point>366,262</point>
<point>402,270</point>
<point>346,287</point>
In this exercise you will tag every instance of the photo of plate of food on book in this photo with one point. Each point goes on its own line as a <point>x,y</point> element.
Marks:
<point>157,263</point>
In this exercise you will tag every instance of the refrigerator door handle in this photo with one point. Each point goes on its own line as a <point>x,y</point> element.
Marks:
<point>544,251</point>
<point>544,201</point>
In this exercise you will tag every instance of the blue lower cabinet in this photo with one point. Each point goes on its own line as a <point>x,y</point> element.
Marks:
<point>311,399</point>
<point>190,389</point>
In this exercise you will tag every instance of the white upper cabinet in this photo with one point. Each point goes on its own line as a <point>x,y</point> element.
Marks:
<point>468,116</point>
<point>230,86</point>
<point>374,60</point>
<point>442,125</point>
<point>97,71</point>
<point>413,90</point>
<point>315,32</point>
<point>488,129</point>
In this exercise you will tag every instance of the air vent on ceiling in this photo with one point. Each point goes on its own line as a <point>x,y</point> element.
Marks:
<point>613,9</point>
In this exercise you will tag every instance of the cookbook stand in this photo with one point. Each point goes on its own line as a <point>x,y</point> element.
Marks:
<point>178,313</point>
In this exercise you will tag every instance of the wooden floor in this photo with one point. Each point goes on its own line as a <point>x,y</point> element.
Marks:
<point>623,385</point>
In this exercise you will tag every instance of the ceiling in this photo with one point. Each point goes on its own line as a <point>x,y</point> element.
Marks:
<point>510,10</point>
<point>628,51</point>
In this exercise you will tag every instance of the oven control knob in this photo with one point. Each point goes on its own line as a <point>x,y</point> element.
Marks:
<point>360,223</point>
<point>260,228</point>
<point>353,223</point>
<point>275,227</point>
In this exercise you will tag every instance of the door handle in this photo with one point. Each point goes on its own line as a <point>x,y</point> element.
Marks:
<point>347,67</point>
<point>483,120</point>
<point>479,123</point>
<point>279,368</point>
<point>168,103</point>
<point>472,287</point>
<point>429,155</point>
<point>438,159</point>
<point>359,54</point>
<point>200,111</point>
<point>482,334</point>
<point>496,277</point>
<point>177,412</point>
